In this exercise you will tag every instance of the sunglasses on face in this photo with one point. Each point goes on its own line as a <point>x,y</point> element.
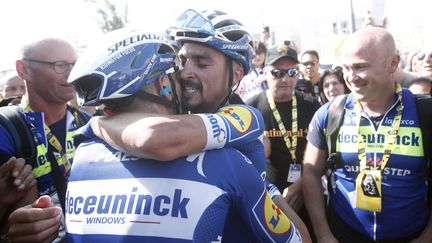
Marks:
<point>280,73</point>
<point>424,55</point>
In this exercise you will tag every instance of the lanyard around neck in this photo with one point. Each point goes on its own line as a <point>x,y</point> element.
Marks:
<point>390,141</point>
<point>291,145</point>
<point>53,140</point>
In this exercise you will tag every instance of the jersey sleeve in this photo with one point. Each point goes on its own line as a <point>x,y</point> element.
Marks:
<point>258,210</point>
<point>244,124</point>
<point>240,127</point>
<point>7,148</point>
<point>316,130</point>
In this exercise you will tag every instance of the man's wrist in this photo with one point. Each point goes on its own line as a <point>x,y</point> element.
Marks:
<point>216,131</point>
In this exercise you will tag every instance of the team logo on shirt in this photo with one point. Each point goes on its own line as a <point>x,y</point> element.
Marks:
<point>239,117</point>
<point>275,220</point>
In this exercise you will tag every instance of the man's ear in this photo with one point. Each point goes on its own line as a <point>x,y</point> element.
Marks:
<point>22,70</point>
<point>238,73</point>
<point>394,63</point>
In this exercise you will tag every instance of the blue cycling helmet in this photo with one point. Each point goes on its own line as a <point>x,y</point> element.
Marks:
<point>218,30</point>
<point>120,66</point>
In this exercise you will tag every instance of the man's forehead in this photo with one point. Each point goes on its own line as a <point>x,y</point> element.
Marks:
<point>308,56</point>
<point>196,50</point>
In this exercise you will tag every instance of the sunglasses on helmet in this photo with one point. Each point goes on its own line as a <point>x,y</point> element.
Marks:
<point>192,21</point>
<point>280,73</point>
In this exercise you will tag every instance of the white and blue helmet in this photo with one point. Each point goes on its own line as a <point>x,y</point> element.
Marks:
<point>121,66</point>
<point>218,30</point>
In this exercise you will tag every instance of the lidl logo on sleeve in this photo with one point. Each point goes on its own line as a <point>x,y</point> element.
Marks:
<point>239,117</point>
<point>276,221</point>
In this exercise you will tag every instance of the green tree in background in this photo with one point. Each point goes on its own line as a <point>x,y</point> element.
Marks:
<point>109,17</point>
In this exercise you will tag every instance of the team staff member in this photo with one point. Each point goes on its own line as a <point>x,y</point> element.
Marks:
<point>45,65</point>
<point>287,113</point>
<point>187,199</point>
<point>380,182</point>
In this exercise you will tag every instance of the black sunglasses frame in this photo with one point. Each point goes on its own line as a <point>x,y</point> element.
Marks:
<point>424,55</point>
<point>280,73</point>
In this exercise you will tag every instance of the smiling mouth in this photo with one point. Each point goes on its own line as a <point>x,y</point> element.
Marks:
<point>190,88</point>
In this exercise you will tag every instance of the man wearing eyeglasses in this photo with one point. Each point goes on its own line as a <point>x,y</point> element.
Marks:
<point>44,65</point>
<point>287,114</point>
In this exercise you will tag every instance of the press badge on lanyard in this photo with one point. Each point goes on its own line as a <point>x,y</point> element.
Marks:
<point>294,173</point>
<point>368,181</point>
<point>368,187</point>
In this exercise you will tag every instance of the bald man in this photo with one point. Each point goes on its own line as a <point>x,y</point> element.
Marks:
<point>379,187</point>
<point>44,65</point>
<point>12,88</point>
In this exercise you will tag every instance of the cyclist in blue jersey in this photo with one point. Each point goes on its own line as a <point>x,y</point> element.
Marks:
<point>185,200</point>
<point>215,54</point>
<point>379,171</point>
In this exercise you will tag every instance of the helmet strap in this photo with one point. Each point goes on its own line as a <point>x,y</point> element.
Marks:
<point>230,82</point>
<point>173,103</point>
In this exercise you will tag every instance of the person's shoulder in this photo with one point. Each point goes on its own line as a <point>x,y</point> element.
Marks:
<point>227,157</point>
<point>86,114</point>
<point>224,152</point>
<point>305,97</point>
<point>83,134</point>
<point>307,100</point>
<point>243,118</point>
<point>256,99</point>
<point>82,115</point>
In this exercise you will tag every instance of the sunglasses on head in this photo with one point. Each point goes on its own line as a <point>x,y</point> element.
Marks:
<point>280,73</point>
<point>193,21</point>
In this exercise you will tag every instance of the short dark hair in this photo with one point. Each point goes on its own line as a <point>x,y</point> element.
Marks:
<point>423,80</point>
<point>337,71</point>
<point>311,52</point>
<point>259,47</point>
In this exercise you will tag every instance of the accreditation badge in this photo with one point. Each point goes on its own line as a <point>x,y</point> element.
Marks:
<point>294,173</point>
<point>368,188</point>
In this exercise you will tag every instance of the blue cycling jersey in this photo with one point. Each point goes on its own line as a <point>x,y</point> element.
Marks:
<point>115,197</point>
<point>404,185</point>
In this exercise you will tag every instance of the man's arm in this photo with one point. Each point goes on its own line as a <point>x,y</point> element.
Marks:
<point>293,195</point>
<point>313,169</point>
<point>152,136</point>
<point>170,137</point>
<point>280,201</point>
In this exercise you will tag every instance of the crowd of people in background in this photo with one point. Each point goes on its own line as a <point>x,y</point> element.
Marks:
<point>215,79</point>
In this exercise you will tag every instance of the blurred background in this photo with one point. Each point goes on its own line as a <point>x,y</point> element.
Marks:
<point>310,24</point>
